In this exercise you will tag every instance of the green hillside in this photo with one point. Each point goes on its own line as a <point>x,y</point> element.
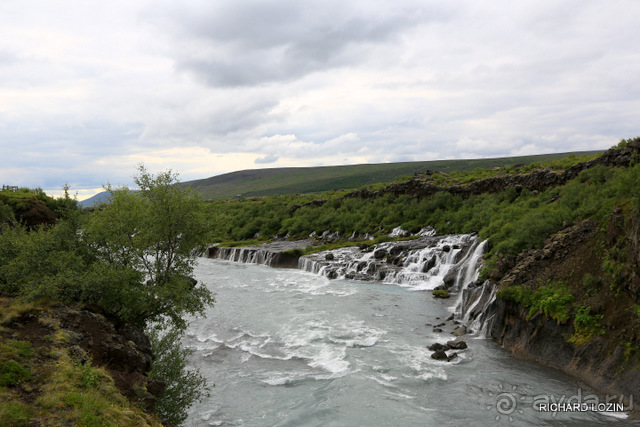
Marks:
<point>269,182</point>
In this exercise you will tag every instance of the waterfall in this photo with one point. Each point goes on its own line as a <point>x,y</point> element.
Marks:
<point>421,264</point>
<point>449,262</point>
<point>468,272</point>
<point>249,255</point>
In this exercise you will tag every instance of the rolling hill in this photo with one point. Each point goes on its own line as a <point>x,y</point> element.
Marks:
<point>300,180</point>
<point>269,182</point>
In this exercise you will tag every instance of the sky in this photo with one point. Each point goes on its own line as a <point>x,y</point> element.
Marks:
<point>91,89</point>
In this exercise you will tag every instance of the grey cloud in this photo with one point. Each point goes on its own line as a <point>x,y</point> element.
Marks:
<point>211,118</point>
<point>249,43</point>
<point>271,158</point>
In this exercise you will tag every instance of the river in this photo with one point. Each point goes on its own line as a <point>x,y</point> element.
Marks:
<point>286,347</point>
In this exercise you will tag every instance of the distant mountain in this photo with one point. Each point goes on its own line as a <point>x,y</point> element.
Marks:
<point>270,182</point>
<point>94,200</point>
<point>97,199</point>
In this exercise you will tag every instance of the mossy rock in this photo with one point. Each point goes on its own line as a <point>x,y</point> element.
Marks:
<point>440,293</point>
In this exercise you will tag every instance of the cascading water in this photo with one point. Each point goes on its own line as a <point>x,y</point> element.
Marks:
<point>420,264</point>
<point>429,262</point>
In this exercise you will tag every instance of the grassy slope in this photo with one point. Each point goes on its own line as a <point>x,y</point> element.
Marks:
<point>269,182</point>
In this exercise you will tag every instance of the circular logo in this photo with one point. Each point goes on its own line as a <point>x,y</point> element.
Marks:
<point>506,402</point>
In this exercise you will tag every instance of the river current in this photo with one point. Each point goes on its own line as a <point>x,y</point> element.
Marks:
<point>290,348</point>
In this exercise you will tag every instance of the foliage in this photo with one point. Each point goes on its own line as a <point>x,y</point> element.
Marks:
<point>146,239</point>
<point>515,294</point>
<point>587,325</point>
<point>554,300</point>
<point>184,386</point>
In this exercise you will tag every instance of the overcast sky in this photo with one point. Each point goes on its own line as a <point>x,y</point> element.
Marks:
<point>89,89</point>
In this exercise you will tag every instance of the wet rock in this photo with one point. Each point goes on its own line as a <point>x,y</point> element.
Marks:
<point>329,256</point>
<point>437,329</point>
<point>429,264</point>
<point>439,355</point>
<point>452,356</point>
<point>450,278</point>
<point>437,347</point>
<point>379,254</point>
<point>459,331</point>
<point>457,344</point>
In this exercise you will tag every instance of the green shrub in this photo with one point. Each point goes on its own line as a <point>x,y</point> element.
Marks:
<point>184,386</point>
<point>586,325</point>
<point>515,294</point>
<point>553,300</point>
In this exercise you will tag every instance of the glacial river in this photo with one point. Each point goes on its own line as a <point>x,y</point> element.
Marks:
<point>290,348</point>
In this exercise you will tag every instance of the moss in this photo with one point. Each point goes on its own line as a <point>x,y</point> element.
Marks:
<point>60,391</point>
<point>15,414</point>
<point>294,252</point>
<point>440,293</point>
<point>86,395</point>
